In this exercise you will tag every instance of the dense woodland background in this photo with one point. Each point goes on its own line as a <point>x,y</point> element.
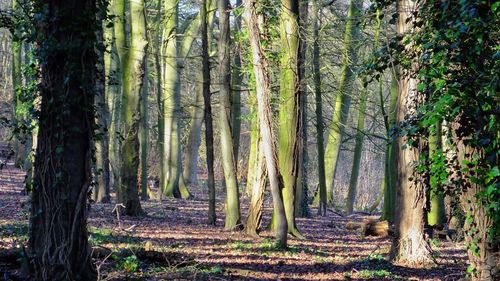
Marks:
<point>371,125</point>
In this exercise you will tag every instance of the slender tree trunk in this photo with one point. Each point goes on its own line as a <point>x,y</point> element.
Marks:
<point>388,211</point>
<point>233,220</point>
<point>343,99</point>
<point>58,236</point>
<point>290,111</point>
<point>358,149</point>
<point>101,192</point>
<point>301,192</point>
<point>209,135</point>
<point>409,246</point>
<point>263,90</point>
<point>144,132</point>
<point>320,127</point>
<point>254,145</point>
<point>133,75</point>
<point>194,138</point>
<point>237,79</point>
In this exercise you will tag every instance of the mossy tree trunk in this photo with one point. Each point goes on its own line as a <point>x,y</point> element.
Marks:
<point>144,132</point>
<point>258,188</point>
<point>236,86</point>
<point>233,220</point>
<point>58,236</point>
<point>343,98</point>
<point>436,215</point>
<point>269,149</point>
<point>133,75</point>
<point>289,111</point>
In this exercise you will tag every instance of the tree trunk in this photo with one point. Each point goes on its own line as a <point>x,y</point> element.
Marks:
<point>290,111</point>
<point>258,186</point>
<point>388,211</point>
<point>436,214</point>
<point>409,246</point>
<point>144,132</point>
<point>263,90</point>
<point>194,138</point>
<point>58,236</point>
<point>101,191</point>
<point>133,75</point>
<point>320,127</point>
<point>209,135</point>
<point>237,79</point>
<point>233,220</point>
<point>343,98</point>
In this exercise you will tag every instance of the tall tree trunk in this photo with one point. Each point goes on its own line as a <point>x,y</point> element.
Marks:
<point>101,192</point>
<point>227,149</point>
<point>133,75</point>
<point>388,211</point>
<point>409,246</point>
<point>254,145</point>
<point>343,98</point>
<point>58,236</point>
<point>290,111</point>
<point>436,214</point>
<point>194,138</point>
<point>263,90</point>
<point>209,135</point>
<point>237,79</point>
<point>358,149</point>
<point>144,132</point>
<point>320,127</point>
<point>301,192</point>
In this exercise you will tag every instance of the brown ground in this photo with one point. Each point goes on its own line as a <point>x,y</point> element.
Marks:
<point>329,251</point>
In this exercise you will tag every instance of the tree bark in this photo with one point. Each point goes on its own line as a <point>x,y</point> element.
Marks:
<point>58,236</point>
<point>258,186</point>
<point>409,246</point>
<point>237,79</point>
<point>263,90</point>
<point>209,135</point>
<point>133,75</point>
<point>233,220</point>
<point>289,111</point>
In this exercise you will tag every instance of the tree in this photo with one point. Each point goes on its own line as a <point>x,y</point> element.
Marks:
<point>290,111</point>
<point>263,90</point>
<point>209,135</point>
<point>59,250</point>
<point>436,213</point>
<point>133,75</point>
<point>319,111</point>
<point>227,146</point>
<point>343,98</point>
<point>409,245</point>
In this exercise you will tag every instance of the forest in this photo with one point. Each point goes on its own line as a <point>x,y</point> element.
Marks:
<point>249,140</point>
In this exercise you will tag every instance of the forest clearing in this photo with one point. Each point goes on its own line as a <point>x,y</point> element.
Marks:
<point>249,140</point>
<point>194,251</point>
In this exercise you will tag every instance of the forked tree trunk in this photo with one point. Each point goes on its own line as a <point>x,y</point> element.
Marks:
<point>263,90</point>
<point>409,246</point>
<point>58,235</point>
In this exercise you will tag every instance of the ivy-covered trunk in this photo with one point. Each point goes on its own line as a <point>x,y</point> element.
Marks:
<point>58,235</point>
<point>269,149</point>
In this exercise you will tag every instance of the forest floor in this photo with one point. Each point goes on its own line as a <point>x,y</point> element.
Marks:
<point>189,249</point>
